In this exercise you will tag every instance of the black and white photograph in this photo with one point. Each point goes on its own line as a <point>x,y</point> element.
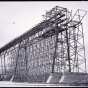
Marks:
<point>43,43</point>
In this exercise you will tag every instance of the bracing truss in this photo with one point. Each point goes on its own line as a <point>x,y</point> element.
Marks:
<point>54,45</point>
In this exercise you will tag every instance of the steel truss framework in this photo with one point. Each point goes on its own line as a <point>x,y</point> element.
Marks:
<point>54,45</point>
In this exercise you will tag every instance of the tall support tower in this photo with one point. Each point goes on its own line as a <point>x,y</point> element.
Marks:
<point>69,52</point>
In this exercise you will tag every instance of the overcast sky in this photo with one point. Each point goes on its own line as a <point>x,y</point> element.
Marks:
<point>18,17</point>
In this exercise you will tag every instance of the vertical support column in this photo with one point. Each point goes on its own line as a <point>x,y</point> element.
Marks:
<point>67,41</point>
<point>39,58</point>
<point>26,59</point>
<point>62,53</point>
<point>84,54</point>
<point>44,43</point>
<point>54,53</point>
<point>75,47</point>
<point>4,63</point>
<point>16,61</point>
<point>56,33</point>
<point>84,48</point>
<point>77,65</point>
<point>68,51</point>
<point>1,64</point>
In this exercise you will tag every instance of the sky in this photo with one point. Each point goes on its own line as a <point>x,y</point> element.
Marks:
<point>18,17</point>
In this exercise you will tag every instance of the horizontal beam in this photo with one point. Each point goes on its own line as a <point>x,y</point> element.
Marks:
<point>39,27</point>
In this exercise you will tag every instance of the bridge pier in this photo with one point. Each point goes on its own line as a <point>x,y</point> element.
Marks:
<point>12,78</point>
<point>54,78</point>
<point>67,78</point>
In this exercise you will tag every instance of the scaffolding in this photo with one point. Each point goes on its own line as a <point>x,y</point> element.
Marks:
<point>54,45</point>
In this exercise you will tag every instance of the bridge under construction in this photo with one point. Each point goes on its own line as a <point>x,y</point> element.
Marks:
<point>51,48</point>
